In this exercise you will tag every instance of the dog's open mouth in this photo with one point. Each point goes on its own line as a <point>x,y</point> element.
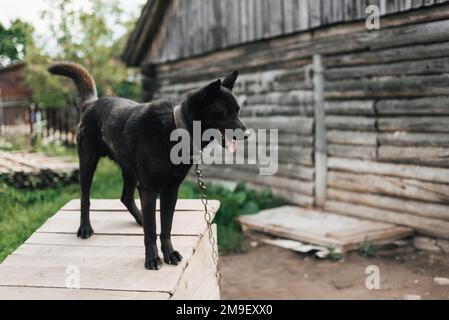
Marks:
<point>228,142</point>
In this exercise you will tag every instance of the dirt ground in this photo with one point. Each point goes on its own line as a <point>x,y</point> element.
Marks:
<point>267,272</point>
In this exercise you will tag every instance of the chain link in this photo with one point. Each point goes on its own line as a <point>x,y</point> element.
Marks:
<point>207,216</point>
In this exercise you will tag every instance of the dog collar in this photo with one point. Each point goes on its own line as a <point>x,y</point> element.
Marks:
<point>179,118</point>
<point>180,123</point>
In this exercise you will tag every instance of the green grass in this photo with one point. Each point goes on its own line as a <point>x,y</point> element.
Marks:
<point>23,211</point>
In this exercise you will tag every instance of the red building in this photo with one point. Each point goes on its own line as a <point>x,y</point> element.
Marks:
<point>14,95</point>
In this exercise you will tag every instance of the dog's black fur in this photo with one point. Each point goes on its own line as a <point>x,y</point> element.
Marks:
<point>137,137</point>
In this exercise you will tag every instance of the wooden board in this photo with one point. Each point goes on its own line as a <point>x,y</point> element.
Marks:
<point>427,226</point>
<point>115,205</point>
<point>322,228</point>
<point>121,222</point>
<point>34,293</point>
<point>111,263</point>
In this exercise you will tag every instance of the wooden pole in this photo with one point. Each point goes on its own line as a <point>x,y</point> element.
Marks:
<point>53,121</point>
<point>66,127</point>
<point>320,133</point>
<point>30,116</point>
<point>47,121</point>
<point>1,111</point>
<point>60,126</point>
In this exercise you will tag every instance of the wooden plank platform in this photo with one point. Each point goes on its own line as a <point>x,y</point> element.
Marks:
<point>111,263</point>
<point>322,228</point>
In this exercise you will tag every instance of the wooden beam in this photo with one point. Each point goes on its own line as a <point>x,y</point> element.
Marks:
<point>301,125</point>
<point>419,208</point>
<point>414,124</point>
<point>432,227</point>
<point>352,151</point>
<point>432,156</point>
<point>389,169</point>
<point>351,123</point>
<point>388,87</point>
<point>403,138</point>
<point>352,137</point>
<point>320,133</point>
<point>390,186</point>
<point>350,107</point>
<point>415,67</point>
<point>408,53</point>
<point>423,106</point>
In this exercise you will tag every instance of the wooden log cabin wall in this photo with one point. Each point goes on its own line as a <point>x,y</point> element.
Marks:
<point>385,96</point>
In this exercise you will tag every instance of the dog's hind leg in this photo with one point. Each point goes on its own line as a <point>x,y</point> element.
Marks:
<point>129,186</point>
<point>169,197</point>
<point>88,163</point>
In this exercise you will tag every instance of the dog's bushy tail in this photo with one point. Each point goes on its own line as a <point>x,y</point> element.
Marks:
<point>84,82</point>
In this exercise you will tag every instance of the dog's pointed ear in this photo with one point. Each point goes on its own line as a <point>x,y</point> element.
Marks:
<point>229,82</point>
<point>211,90</point>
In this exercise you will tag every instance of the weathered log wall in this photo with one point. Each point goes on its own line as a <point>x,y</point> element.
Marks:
<point>386,96</point>
<point>387,120</point>
<point>200,26</point>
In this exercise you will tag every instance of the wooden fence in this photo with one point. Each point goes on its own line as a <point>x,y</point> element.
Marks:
<point>55,123</point>
<point>60,123</point>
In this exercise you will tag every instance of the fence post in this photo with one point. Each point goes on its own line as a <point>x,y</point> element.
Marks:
<point>66,127</point>
<point>53,121</point>
<point>1,111</point>
<point>30,116</point>
<point>60,124</point>
<point>47,121</point>
<point>320,132</point>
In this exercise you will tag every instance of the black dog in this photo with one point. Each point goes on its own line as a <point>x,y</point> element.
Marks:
<point>137,137</point>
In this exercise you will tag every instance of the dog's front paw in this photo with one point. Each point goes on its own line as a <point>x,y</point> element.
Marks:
<point>85,232</point>
<point>153,263</point>
<point>172,257</point>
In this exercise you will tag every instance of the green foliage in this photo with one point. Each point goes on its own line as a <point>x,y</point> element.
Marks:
<point>53,149</point>
<point>48,90</point>
<point>128,89</point>
<point>333,255</point>
<point>234,202</point>
<point>14,41</point>
<point>24,211</point>
<point>87,37</point>
<point>6,145</point>
<point>367,249</point>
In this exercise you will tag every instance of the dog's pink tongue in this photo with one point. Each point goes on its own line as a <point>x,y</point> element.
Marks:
<point>230,143</point>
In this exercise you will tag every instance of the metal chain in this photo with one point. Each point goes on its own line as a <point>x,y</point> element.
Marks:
<point>207,216</point>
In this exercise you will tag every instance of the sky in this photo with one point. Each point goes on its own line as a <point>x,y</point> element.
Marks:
<point>29,10</point>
